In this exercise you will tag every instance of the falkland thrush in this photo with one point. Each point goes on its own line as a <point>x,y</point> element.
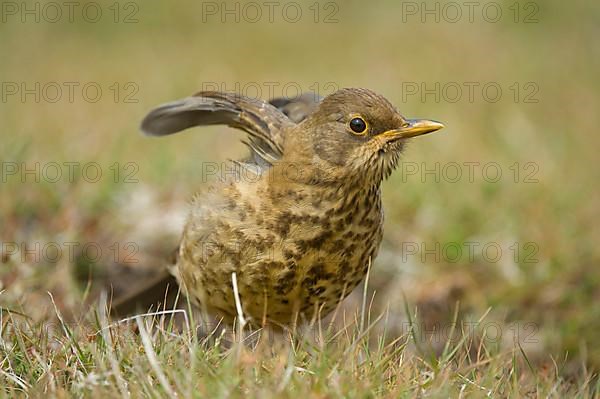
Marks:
<point>300,218</point>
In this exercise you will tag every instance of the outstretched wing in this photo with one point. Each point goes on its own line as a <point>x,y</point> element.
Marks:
<point>263,122</point>
<point>297,108</point>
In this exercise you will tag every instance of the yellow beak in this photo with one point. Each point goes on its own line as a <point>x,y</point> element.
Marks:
<point>413,127</point>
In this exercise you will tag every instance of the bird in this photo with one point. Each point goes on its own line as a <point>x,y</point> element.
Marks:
<point>291,229</point>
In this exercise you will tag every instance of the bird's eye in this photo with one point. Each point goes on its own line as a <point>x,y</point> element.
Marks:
<point>358,125</point>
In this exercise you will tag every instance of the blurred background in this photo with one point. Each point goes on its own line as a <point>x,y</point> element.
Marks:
<point>496,216</point>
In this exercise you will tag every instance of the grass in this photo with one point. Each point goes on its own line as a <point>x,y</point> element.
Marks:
<point>524,324</point>
<point>156,355</point>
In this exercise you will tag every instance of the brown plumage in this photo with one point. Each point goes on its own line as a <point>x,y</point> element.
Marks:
<point>300,218</point>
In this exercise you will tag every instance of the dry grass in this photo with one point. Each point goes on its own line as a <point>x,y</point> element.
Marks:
<point>165,354</point>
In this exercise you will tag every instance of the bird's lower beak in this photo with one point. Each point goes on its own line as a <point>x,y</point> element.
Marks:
<point>413,127</point>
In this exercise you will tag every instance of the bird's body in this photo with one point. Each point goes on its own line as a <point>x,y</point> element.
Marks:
<point>294,246</point>
<point>301,218</point>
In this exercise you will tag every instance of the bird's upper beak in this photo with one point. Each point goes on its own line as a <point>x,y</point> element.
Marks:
<point>412,128</point>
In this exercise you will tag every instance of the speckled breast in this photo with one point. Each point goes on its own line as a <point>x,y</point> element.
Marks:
<point>293,251</point>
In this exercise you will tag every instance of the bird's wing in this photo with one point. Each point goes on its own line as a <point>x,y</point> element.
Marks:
<point>297,108</point>
<point>263,122</point>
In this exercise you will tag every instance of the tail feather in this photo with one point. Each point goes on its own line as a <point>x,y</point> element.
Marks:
<point>161,291</point>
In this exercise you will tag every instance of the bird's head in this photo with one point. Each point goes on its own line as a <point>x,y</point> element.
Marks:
<point>359,133</point>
